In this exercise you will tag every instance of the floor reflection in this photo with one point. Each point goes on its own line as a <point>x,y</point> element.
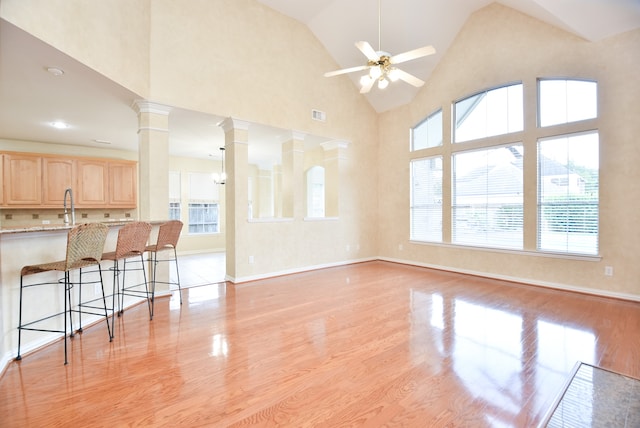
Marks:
<point>496,353</point>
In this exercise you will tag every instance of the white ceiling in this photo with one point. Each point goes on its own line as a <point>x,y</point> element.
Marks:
<point>99,110</point>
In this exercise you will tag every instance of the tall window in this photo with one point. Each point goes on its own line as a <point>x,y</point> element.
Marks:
<point>568,169</point>
<point>488,197</point>
<point>568,193</point>
<point>489,113</point>
<point>203,204</point>
<point>427,133</point>
<point>426,199</point>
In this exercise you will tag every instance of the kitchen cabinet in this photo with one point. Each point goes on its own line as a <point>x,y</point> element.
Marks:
<point>92,183</point>
<point>29,180</point>
<point>58,174</point>
<point>123,179</point>
<point>22,174</point>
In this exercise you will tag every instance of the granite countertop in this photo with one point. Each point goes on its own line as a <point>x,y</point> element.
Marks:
<point>57,226</point>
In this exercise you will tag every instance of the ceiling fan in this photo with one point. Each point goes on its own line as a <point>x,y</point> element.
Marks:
<point>382,65</point>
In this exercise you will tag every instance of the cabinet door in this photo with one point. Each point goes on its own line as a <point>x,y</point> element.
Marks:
<point>58,174</point>
<point>123,184</point>
<point>22,180</point>
<point>92,177</point>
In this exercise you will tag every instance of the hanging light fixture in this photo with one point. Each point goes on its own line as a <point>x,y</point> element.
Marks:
<point>222,177</point>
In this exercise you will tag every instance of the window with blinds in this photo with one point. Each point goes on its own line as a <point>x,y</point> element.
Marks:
<point>487,159</point>
<point>487,197</point>
<point>568,201</point>
<point>203,204</point>
<point>426,199</point>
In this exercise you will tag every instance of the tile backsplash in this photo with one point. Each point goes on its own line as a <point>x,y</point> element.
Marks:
<point>25,217</point>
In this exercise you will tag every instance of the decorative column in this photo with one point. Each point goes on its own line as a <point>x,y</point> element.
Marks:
<point>293,176</point>
<point>335,155</point>
<point>236,140</point>
<point>153,159</point>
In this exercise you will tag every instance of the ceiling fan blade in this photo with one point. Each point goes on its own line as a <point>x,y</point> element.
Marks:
<point>345,70</point>
<point>409,78</point>
<point>413,54</point>
<point>367,87</point>
<point>367,50</point>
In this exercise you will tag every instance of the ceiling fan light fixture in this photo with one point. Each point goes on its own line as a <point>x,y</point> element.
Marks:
<point>375,72</point>
<point>393,75</point>
<point>365,80</point>
<point>383,83</point>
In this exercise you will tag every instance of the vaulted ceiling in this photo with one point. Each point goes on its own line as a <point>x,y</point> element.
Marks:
<point>408,24</point>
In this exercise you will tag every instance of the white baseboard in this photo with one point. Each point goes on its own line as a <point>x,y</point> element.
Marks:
<point>525,281</point>
<point>244,279</point>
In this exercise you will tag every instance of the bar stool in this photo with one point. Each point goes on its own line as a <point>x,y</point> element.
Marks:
<point>85,244</point>
<point>168,235</point>
<point>132,239</point>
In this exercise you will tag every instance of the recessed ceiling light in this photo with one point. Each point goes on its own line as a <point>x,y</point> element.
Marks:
<point>55,71</point>
<point>59,125</point>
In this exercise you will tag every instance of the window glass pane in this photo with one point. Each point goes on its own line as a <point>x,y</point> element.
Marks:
<point>174,210</point>
<point>564,101</point>
<point>203,218</point>
<point>427,133</point>
<point>568,201</point>
<point>426,199</point>
<point>487,197</point>
<point>495,112</point>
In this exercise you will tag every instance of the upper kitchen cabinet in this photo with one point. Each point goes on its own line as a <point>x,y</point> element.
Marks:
<point>92,183</point>
<point>123,187</point>
<point>40,180</point>
<point>22,180</point>
<point>58,175</point>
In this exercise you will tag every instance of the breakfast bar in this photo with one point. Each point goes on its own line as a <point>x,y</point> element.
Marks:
<point>29,245</point>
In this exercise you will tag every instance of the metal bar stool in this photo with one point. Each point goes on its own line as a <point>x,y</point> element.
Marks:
<point>168,235</point>
<point>85,244</point>
<point>132,239</point>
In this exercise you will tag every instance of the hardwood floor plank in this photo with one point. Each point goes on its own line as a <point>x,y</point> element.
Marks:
<point>369,344</point>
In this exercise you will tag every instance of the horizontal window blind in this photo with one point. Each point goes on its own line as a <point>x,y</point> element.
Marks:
<point>568,194</point>
<point>487,208</point>
<point>426,199</point>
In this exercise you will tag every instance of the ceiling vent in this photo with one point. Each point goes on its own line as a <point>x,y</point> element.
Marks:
<point>318,115</point>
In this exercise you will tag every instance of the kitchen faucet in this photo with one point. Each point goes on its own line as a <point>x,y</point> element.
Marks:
<point>73,209</point>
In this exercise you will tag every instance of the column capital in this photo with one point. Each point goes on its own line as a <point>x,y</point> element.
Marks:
<point>145,106</point>
<point>230,123</point>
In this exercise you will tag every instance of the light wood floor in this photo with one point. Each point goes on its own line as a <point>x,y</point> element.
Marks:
<point>369,344</point>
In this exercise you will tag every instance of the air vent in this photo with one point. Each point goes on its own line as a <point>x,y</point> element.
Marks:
<point>318,115</point>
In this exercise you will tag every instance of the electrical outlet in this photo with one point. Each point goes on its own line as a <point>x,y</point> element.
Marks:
<point>608,270</point>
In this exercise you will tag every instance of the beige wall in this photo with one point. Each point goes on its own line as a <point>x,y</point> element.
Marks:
<point>496,46</point>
